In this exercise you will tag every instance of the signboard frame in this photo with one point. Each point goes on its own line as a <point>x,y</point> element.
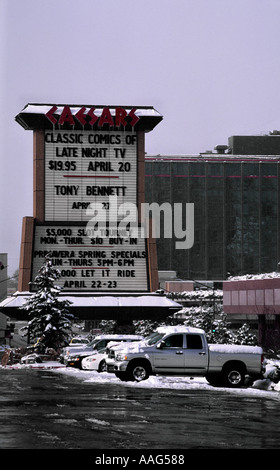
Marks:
<point>35,117</point>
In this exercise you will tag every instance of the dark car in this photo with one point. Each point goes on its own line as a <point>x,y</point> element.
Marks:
<point>73,358</point>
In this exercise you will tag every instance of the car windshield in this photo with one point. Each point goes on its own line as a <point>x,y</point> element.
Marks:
<point>154,338</point>
<point>93,343</point>
<point>102,351</point>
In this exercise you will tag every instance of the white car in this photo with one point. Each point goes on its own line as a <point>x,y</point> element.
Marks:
<point>96,361</point>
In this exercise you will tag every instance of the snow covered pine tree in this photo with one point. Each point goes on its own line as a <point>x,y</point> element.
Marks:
<point>50,320</point>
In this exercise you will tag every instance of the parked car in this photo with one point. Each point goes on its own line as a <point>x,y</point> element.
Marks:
<point>78,340</point>
<point>74,357</point>
<point>75,347</point>
<point>95,361</point>
<point>185,351</point>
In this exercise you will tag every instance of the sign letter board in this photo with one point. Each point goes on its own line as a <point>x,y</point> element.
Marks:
<point>84,168</point>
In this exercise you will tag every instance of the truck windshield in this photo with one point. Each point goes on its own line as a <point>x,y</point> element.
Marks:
<point>154,338</point>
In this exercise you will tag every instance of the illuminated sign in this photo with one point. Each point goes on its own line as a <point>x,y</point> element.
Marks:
<point>87,167</point>
<point>113,262</point>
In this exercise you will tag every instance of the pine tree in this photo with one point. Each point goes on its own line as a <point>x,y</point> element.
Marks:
<point>50,319</point>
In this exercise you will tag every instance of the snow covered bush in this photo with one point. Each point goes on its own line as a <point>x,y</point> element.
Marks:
<point>49,319</point>
<point>107,326</point>
<point>211,318</point>
<point>138,327</point>
<point>146,327</point>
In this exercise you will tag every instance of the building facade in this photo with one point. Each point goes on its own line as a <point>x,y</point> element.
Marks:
<point>236,211</point>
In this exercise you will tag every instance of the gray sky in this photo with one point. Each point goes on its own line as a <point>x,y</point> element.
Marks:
<point>210,67</point>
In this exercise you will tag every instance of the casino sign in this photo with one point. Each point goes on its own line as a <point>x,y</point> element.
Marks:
<point>89,165</point>
<point>88,157</point>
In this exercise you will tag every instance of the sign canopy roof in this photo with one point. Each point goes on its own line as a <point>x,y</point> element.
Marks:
<point>88,305</point>
<point>88,117</point>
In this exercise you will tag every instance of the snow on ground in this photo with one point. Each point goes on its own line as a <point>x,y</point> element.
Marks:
<point>265,388</point>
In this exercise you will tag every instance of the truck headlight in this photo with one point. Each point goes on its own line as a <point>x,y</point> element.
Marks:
<point>121,357</point>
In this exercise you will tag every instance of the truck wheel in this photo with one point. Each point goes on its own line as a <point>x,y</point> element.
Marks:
<point>214,379</point>
<point>234,376</point>
<point>138,371</point>
<point>122,376</point>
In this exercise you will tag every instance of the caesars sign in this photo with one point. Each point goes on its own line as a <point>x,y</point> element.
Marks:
<point>89,169</point>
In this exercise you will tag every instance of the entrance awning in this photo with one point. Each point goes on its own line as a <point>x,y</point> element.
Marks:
<point>102,307</point>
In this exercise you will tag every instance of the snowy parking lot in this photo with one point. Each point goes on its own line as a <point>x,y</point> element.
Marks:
<point>263,388</point>
<point>69,408</point>
<point>65,407</point>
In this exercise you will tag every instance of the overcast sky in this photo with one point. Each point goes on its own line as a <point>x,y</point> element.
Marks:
<point>210,67</point>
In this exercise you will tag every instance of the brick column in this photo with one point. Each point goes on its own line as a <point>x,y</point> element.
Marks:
<point>140,171</point>
<point>26,248</point>
<point>39,175</point>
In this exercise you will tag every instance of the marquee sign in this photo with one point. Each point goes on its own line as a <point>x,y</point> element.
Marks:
<point>88,157</point>
<point>113,262</point>
<point>83,168</point>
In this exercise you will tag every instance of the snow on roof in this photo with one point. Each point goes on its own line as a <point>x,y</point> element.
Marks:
<point>34,108</point>
<point>179,329</point>
<point>19,298</point>
<point>198,294</point>
<point>118,336</point>
<point>252,277</point>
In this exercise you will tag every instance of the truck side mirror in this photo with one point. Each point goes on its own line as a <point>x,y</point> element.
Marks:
<point>161,345</point>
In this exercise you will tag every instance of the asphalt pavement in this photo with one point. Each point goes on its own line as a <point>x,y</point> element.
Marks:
<point>43,409</point>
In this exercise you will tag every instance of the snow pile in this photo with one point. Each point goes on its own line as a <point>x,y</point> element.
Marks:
<point>265,387</point>
<point>235,349</point>
<point>35,365</point>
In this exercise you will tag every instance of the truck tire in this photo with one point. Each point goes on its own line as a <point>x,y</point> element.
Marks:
<point>214,379</point>
<point>234,375</point>
<point>123,376</point>
<point>138,371</point>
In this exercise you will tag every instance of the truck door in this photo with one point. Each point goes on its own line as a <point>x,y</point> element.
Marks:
<point>170,356</point>
<point>196,355</point>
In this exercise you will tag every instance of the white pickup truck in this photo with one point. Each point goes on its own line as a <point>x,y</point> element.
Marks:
<point>184,351</point>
